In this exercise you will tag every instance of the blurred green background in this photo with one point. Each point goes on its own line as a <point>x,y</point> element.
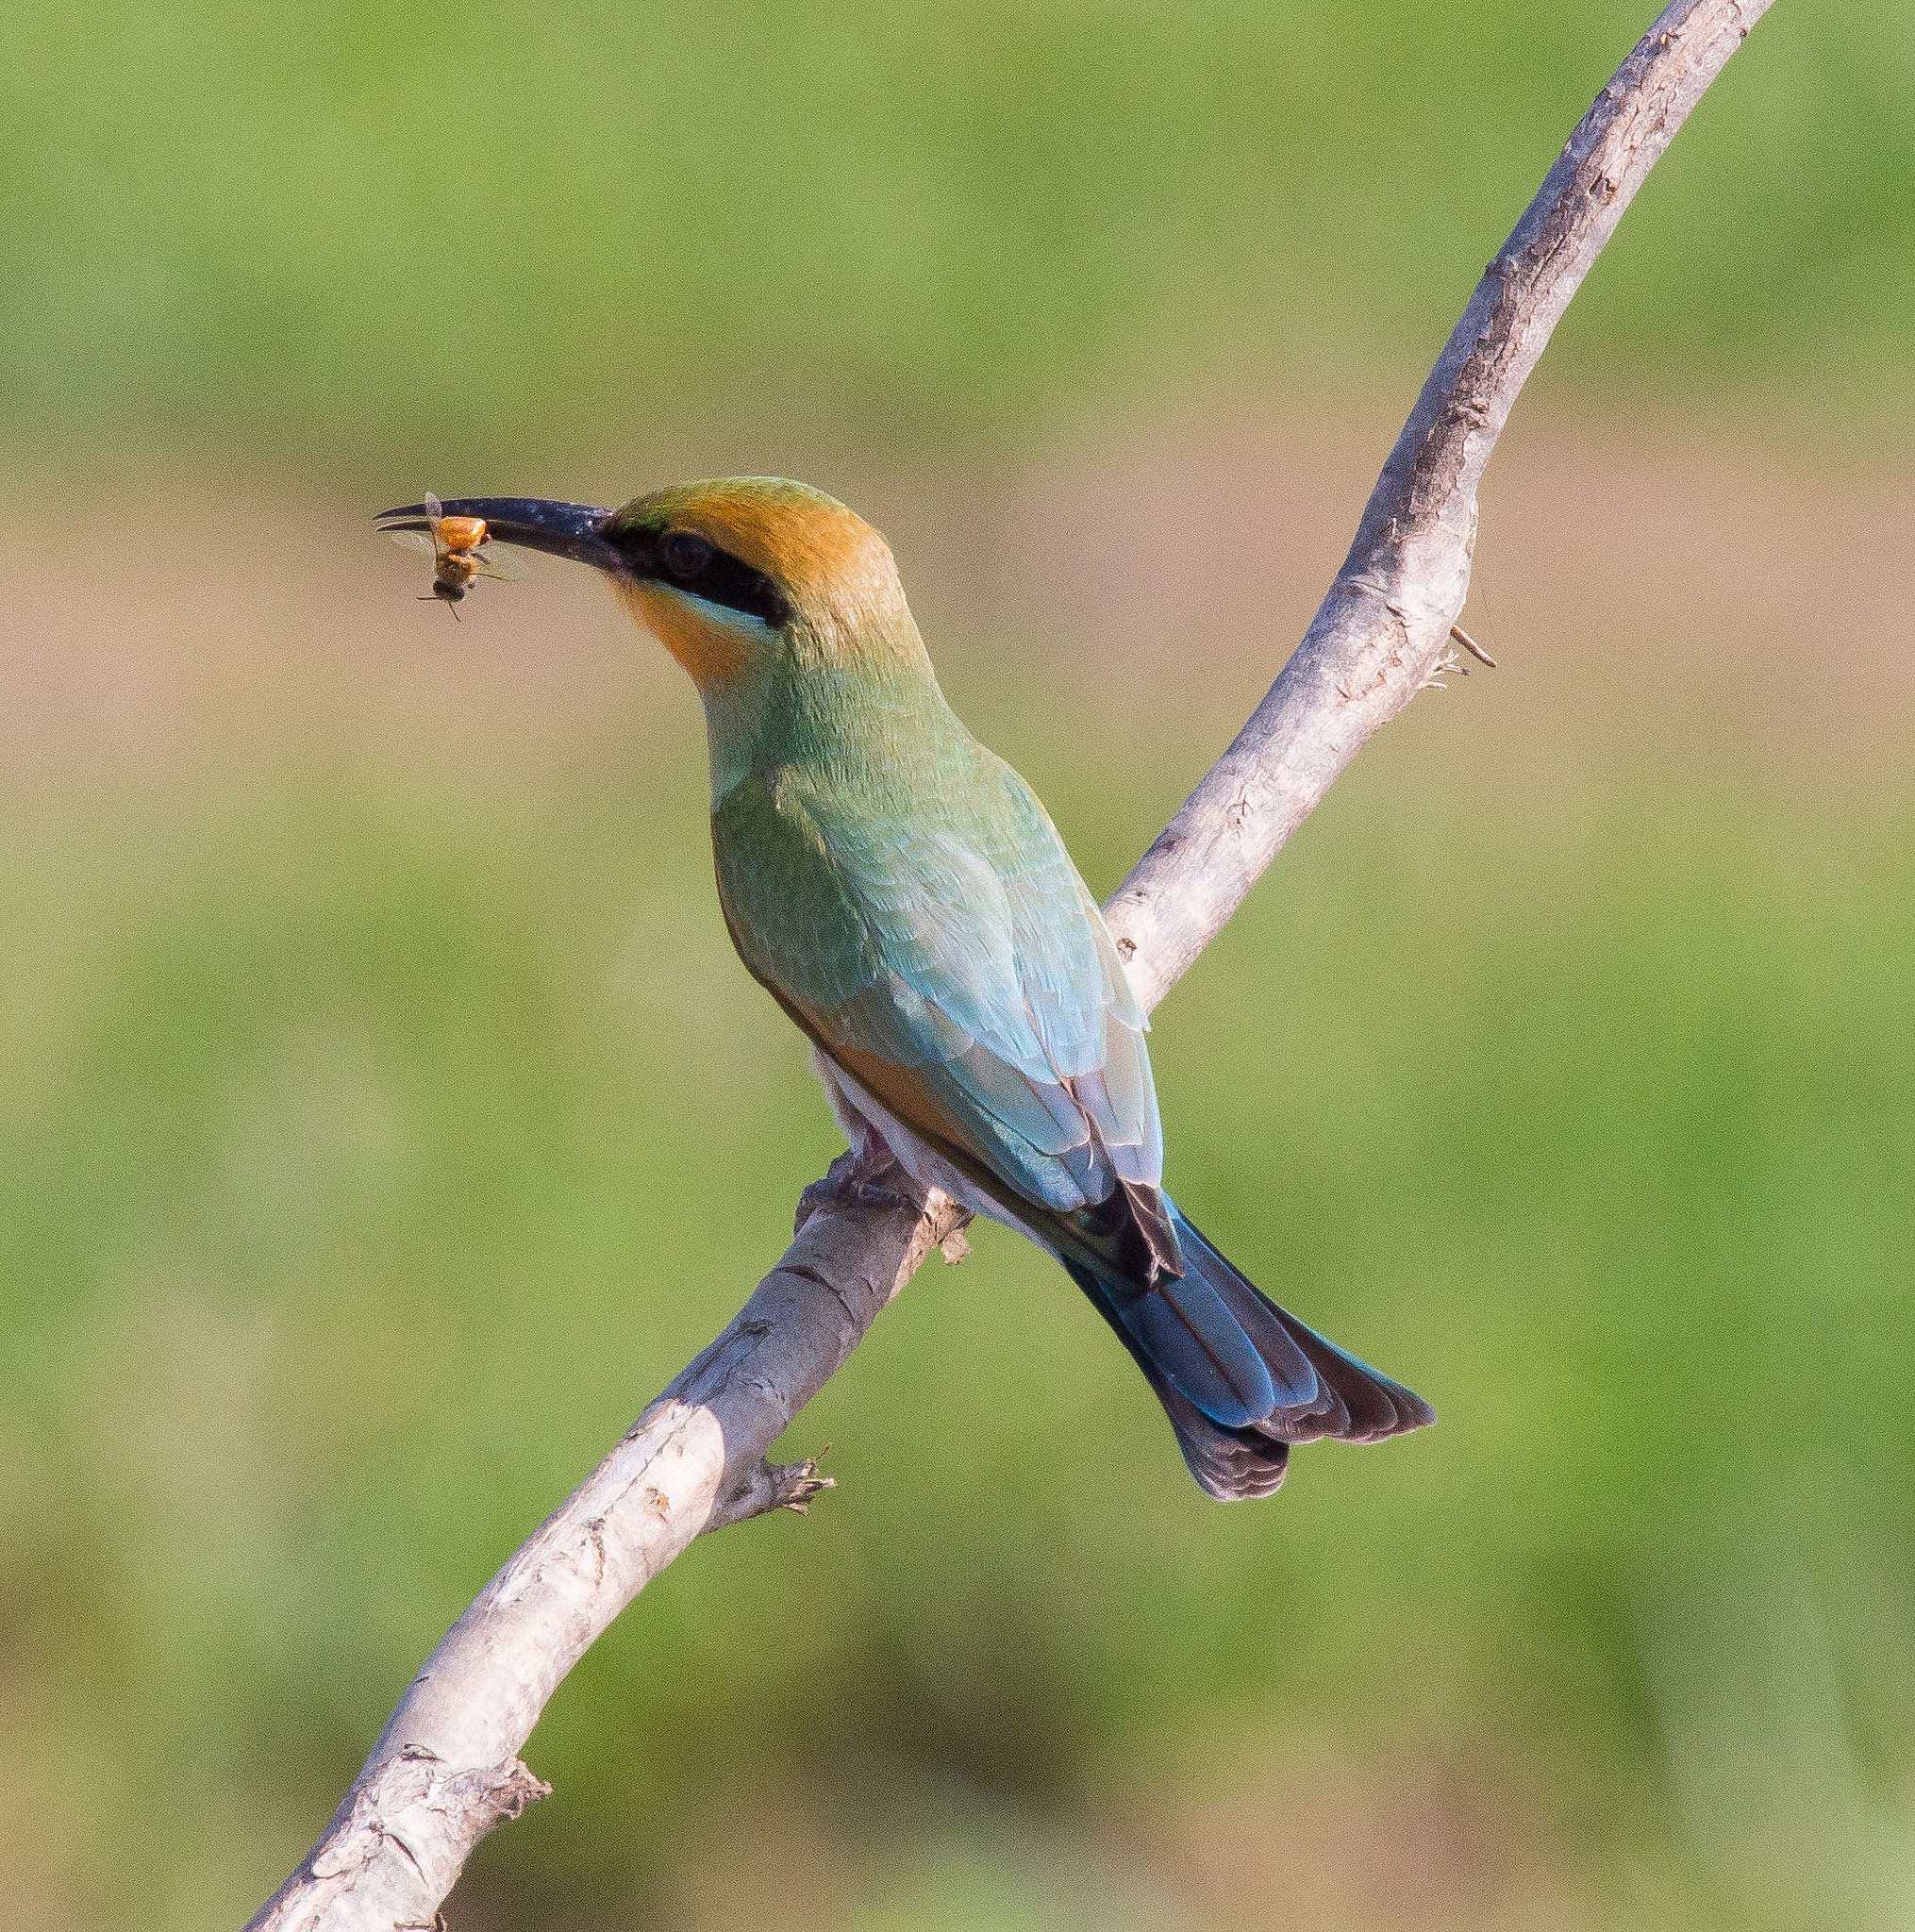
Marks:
<point>384,1118</point>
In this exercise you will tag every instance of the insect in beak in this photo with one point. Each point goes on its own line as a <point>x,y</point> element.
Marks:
<point>459,544</point>
<point>573,530</point>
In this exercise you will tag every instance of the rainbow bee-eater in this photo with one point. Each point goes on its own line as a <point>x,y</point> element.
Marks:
<point>902,895</point>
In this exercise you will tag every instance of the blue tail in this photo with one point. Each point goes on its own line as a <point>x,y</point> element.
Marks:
<point>1240,1379</point>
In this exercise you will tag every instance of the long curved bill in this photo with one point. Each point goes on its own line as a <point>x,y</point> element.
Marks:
<point>535,523</point>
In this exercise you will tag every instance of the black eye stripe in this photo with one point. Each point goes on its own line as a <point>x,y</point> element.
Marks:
<point>687,561</point>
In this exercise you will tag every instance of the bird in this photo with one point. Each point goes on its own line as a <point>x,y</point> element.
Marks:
<point>900,891</point>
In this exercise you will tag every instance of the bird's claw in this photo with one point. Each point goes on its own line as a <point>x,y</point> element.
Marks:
<point>867,1176</point>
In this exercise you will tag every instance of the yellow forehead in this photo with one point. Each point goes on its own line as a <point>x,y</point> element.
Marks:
<point>809,543</point>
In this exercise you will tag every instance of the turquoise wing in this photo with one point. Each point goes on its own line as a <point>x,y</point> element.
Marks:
<point>946,951</point>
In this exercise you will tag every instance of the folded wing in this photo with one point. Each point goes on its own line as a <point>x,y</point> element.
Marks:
<point>952,962</point>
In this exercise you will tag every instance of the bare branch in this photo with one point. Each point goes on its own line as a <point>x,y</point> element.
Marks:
<point>1377,634</point>
<point>445,1770</point>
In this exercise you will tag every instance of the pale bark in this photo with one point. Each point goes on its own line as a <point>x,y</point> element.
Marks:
<point>1381,632</point>
<point>446,1769</point>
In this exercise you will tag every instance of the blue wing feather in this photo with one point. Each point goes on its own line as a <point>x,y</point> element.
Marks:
<point>952,937</point>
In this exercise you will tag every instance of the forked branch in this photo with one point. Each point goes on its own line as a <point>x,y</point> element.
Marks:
<point>446,1769</point>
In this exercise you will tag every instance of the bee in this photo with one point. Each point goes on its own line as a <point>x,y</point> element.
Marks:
<point>461,554</point>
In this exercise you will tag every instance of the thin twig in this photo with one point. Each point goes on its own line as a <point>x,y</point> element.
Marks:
<point>445,1770</point>
<point>1471,645</point>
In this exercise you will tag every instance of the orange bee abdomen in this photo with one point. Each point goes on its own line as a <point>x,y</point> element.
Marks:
<point>461,533</point>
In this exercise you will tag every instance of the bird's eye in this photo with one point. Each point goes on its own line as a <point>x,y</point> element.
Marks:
<point>685,553</point>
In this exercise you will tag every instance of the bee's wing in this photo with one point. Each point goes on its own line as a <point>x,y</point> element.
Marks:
<point>414,540</point>
<point>434,508</point>
<point>496,560</point>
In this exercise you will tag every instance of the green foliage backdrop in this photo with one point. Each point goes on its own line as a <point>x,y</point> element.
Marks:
<point>371,228</point>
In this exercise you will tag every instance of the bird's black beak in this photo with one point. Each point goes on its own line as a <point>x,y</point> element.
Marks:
<point>562,530</point>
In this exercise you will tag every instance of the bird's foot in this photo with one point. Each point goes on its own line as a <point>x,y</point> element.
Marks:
<point>870,1176</point>
<point>866,1175</point>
